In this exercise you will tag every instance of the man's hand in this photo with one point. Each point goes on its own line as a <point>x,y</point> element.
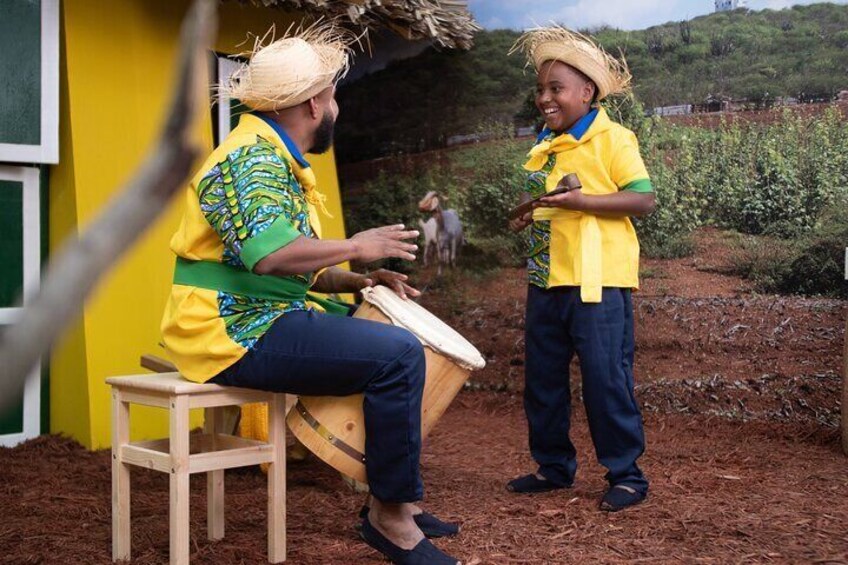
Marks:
<point>382,243</point>
<point>571,200</point>
<point>521,222</point>
<point>393,280</point>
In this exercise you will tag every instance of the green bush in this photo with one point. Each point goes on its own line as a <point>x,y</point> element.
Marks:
<point>818,267</point>
<point>812,264</point>
<point>489,180</point>
<point>757,179</point>
<point>764,260</point>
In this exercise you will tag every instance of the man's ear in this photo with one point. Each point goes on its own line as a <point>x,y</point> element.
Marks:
<point>313,107</point>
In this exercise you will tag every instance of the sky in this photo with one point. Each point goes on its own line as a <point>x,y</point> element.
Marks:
<point>623,14</point>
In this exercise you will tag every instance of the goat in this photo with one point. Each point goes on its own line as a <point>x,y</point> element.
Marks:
<point>431,239</point>
<point>449,234</point>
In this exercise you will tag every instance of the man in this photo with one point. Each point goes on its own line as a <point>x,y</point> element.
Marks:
<point>248,250</point>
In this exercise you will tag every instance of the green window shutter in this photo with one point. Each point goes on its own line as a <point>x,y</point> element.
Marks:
<point>21,236</point>
<point>29,90</point>
<point>11,242</point>
<point>20,67</point>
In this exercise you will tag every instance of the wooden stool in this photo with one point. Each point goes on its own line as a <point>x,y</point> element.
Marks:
<point>182,454</point>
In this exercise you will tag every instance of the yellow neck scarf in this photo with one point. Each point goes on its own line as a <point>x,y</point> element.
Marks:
<point>306,177</point>
<point>590,255</point>
<point>317,200</point>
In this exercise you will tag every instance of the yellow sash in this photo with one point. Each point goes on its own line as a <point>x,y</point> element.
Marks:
<point>590,256</point>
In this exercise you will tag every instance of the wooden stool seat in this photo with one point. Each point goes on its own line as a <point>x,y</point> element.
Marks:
<point>182,453</point>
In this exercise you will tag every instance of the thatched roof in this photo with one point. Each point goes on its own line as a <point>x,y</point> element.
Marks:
<point>446,22</point>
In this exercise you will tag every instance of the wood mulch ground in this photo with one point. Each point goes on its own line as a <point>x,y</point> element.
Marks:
<point>741,401</point>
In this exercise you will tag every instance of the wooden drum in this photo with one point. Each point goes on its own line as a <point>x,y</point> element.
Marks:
<point>333,428</point>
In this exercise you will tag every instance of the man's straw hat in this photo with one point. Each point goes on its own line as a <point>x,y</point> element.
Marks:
<point>556,43</point>
<point>293,69</point>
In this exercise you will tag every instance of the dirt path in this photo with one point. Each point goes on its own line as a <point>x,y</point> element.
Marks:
<point>722,492</point>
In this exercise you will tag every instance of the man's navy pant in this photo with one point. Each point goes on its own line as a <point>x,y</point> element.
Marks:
<point>315,354</point>
<point>558,325</point>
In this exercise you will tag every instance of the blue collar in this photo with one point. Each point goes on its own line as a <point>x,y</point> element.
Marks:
<point>290,145</point>
<point>579,128</point>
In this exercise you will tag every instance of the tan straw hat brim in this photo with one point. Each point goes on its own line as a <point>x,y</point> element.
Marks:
<point>610,75</point>
<point>291,70</point>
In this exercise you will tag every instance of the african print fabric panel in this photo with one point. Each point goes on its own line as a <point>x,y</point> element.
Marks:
<point>539,238</point>
<point>241,197</point>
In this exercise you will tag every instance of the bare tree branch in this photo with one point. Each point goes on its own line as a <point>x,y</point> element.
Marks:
<point>73,273</point>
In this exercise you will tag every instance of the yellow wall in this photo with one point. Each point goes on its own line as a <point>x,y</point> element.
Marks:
<point>118,65</point>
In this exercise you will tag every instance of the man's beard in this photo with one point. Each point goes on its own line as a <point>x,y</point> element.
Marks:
<point>323,135</point>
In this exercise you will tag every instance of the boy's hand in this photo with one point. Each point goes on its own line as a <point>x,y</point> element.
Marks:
<point>521,222</point>
<point>571,200</point>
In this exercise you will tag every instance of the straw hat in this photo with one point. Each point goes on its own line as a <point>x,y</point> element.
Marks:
<point>556,43</point>
<point>293,69</point>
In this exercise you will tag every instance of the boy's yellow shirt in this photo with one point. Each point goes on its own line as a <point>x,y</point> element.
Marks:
<point>571,248</point>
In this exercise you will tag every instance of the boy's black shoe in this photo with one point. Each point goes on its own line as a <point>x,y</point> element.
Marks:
<point>620,497</point>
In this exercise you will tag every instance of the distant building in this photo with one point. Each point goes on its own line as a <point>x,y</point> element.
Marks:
<point>678,110</point>
<point>727,5</point>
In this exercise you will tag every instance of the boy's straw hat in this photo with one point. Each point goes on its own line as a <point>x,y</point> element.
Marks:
<point>557,43</point>
<point>292,69</point>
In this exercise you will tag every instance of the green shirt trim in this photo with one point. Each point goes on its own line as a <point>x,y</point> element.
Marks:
<point>278,235</point>
<point>641,185</point>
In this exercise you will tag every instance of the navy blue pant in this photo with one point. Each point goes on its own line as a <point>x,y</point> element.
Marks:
<point>315,354</point>
<point>558,325</point>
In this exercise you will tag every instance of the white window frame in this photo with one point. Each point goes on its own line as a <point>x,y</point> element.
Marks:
<point>47,151</point>
<point>30,177</point>
<point>226,68</point>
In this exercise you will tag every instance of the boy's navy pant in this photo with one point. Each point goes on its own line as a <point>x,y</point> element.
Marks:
<point>558,325</point>
<point>315,354</point>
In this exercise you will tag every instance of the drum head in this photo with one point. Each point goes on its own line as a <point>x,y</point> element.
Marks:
<point>432,332</point>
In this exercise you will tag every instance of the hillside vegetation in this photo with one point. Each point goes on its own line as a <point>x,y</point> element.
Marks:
<point>418,103</point>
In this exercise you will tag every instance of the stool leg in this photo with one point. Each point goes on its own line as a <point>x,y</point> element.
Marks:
<point>179,443</point>
<point>277,479</point>
<point>121,540</point>
<point>213,424</point>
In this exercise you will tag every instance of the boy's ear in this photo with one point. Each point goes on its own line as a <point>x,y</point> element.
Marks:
<point>589,91</point>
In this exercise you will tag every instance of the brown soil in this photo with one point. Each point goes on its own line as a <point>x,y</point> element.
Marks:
<point>741,398</point>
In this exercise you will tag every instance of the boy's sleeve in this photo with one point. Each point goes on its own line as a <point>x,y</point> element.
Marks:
<point>252,201</point>
<point>627,169</point>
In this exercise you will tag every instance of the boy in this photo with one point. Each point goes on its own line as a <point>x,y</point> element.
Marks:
<point>582,265</point>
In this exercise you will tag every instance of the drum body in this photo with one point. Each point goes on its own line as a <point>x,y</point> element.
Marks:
<point>333,428</point>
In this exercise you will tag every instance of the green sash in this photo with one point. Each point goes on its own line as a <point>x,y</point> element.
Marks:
<point>212,275</point>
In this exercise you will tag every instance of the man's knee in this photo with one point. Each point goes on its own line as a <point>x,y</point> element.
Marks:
<point>408,354</point>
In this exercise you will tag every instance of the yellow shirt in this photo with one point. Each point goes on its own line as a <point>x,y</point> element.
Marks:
<point>250,198</point>
<point>570,248</point>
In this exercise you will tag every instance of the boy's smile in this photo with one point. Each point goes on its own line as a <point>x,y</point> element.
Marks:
<point>563,95</point>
